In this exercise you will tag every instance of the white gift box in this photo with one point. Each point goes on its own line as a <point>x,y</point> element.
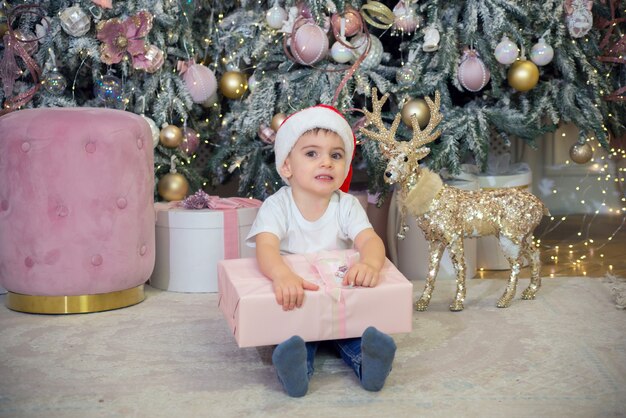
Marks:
<point>489,253</point>
<point>411,255</point>
<point>190,242</point>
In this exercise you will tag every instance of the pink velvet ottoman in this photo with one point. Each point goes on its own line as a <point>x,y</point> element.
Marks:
<point>76,209</point>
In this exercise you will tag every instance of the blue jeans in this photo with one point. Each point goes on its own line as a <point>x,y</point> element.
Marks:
<point>349,349</point>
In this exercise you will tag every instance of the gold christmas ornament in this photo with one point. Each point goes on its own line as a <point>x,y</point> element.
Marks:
<point>171,136</point>
<point>233,84</point>
<point>523,75</point>
<point>4,27</point>
<point>277,120</point>
<point>173,186</point>
<point>581,153</point>
<point>419,108</point>
<point>447,214</point>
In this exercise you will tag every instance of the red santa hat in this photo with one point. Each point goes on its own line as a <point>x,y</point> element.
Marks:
<point>320,116</point>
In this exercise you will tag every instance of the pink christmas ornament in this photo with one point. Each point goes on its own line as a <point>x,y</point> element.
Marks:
<point>105,4</point>
<point>151,61</point>
<point>352,23</point>
<point>309,44</point>
<point>473,74</point>
<point>406,18</point>
<point>190,142</point>
<point>267,134</point>
<point>200,82</point>
<point>578,17</point>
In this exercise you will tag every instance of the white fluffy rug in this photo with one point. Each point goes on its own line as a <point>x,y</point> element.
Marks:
<point>563,354</point>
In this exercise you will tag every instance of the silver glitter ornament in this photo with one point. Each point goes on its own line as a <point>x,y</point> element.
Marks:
<point>75,21</point>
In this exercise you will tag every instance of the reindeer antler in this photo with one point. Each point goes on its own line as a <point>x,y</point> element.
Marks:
<point>386,137</point>
<point>423,137</point>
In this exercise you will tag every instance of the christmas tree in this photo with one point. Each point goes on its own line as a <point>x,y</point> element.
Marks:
<point>505,69</point>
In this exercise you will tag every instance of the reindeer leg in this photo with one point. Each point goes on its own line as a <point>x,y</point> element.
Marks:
<point>457,254</point>
<point>512,250</point>
<point>534,259</point>
<point>436,251</point>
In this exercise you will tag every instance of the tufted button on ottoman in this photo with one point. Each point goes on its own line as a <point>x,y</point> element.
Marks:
<point>76,209</point>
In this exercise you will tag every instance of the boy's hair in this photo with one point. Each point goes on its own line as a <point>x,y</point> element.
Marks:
<point>317,131</point>
<point>318,118</point>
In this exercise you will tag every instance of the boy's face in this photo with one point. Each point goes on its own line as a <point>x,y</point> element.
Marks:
<point>316,163</point>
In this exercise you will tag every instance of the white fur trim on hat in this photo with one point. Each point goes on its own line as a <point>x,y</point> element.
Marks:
<point>320,116</point>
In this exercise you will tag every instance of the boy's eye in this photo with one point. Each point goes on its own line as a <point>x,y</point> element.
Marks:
<point>337,156</point>
<point>311,154</point>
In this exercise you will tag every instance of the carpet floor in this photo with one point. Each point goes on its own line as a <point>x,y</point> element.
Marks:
<point>561,355</point>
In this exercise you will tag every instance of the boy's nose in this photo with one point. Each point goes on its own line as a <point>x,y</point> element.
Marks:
<point>327,160</point>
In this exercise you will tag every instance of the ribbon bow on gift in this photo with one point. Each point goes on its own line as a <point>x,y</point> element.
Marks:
<point>332,268</point>
<point>202,200</point>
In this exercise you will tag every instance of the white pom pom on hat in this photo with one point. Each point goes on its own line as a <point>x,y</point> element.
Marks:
<point>319,116</point>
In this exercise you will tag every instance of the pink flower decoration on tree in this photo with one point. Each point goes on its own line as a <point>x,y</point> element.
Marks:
<point>122,37</point>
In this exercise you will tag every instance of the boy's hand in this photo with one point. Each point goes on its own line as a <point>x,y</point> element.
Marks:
<point>289,291</point>
<point>361,274</point>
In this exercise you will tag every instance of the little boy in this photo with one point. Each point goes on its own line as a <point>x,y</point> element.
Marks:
<point>314,149</point>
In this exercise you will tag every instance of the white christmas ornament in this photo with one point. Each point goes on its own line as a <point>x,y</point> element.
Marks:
<point>340,53</point>
<point>276,16</point>
<point>200,82</point>
<point>431,39</point>
<point>375,54</point>
<point>506,51</point>
<point>541,53</point>
<point>75,21</point>
<point>153,129</point>
<point>252,83</point>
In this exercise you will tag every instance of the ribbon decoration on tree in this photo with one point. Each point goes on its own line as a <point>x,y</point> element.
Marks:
<point>613,50</point>
<point>9,68</point>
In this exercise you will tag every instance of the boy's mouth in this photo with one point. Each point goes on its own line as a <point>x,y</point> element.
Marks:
<point>324,177</point>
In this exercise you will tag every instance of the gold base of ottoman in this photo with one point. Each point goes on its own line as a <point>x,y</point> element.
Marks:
<point>74,304</point>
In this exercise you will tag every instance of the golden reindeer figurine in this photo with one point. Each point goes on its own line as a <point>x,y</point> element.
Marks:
<point>447,215</point>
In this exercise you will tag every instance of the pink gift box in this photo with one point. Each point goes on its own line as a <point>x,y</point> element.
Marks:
<point>247,300</point>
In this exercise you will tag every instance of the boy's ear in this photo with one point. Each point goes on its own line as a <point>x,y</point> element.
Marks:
<point>285,170</point>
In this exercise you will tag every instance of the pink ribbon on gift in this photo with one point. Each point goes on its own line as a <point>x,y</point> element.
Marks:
<point>327,268</point>
<point>231,223</point>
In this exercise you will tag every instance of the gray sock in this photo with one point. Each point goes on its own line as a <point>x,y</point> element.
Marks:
<point>378,351</point>
<point>289,359</point>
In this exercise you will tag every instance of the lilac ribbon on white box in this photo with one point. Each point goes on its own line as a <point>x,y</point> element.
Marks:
<point>228,206</point>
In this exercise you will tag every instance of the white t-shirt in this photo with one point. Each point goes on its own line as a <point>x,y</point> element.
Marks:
<point>334,230</point>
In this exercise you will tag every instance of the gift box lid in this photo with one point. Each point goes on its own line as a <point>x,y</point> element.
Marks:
<point>177,217</point>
